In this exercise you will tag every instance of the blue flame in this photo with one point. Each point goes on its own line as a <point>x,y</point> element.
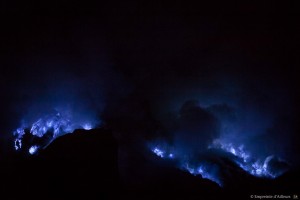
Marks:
<point>56,124</point>
<point>205,170</point>
<point>163,153</point>
<point>229,147</point>
<point>209,170</point>
<point>18,144</point>
<point>33,149</point>
<point>254,166</point>
<point>158,152</point>
<point>87,126</point>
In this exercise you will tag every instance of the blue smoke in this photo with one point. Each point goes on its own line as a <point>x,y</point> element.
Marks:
<point>200,145</point>
<point>54,95</point>
<point>208,169</point>
<point>255,166</point>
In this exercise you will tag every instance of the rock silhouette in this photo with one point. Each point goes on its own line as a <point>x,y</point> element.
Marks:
<point>79,165</point>
<point>85,165</point>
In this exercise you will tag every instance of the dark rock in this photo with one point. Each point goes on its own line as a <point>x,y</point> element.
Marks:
<point>84,165</point>
<point>81,165</point>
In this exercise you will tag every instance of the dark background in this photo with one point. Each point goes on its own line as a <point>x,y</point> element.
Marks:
<point>135,64</point>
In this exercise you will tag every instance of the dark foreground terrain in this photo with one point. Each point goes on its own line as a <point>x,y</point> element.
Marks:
<point>84,165</point>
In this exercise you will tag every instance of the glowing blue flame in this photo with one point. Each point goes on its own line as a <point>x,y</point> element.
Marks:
<point>55,124</point>
<point>33,149</point>
<point>253,166</point>
<point>205,170</point>
<point>163,153</point>
<point>87,126</point>
<point>209,170</point>
<point>158,152</point>
<point>18,144</point>
<point>58,124</point>
<point>229,147</point>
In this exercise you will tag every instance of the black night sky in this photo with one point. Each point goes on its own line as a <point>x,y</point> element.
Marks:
<point>151,75</point>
